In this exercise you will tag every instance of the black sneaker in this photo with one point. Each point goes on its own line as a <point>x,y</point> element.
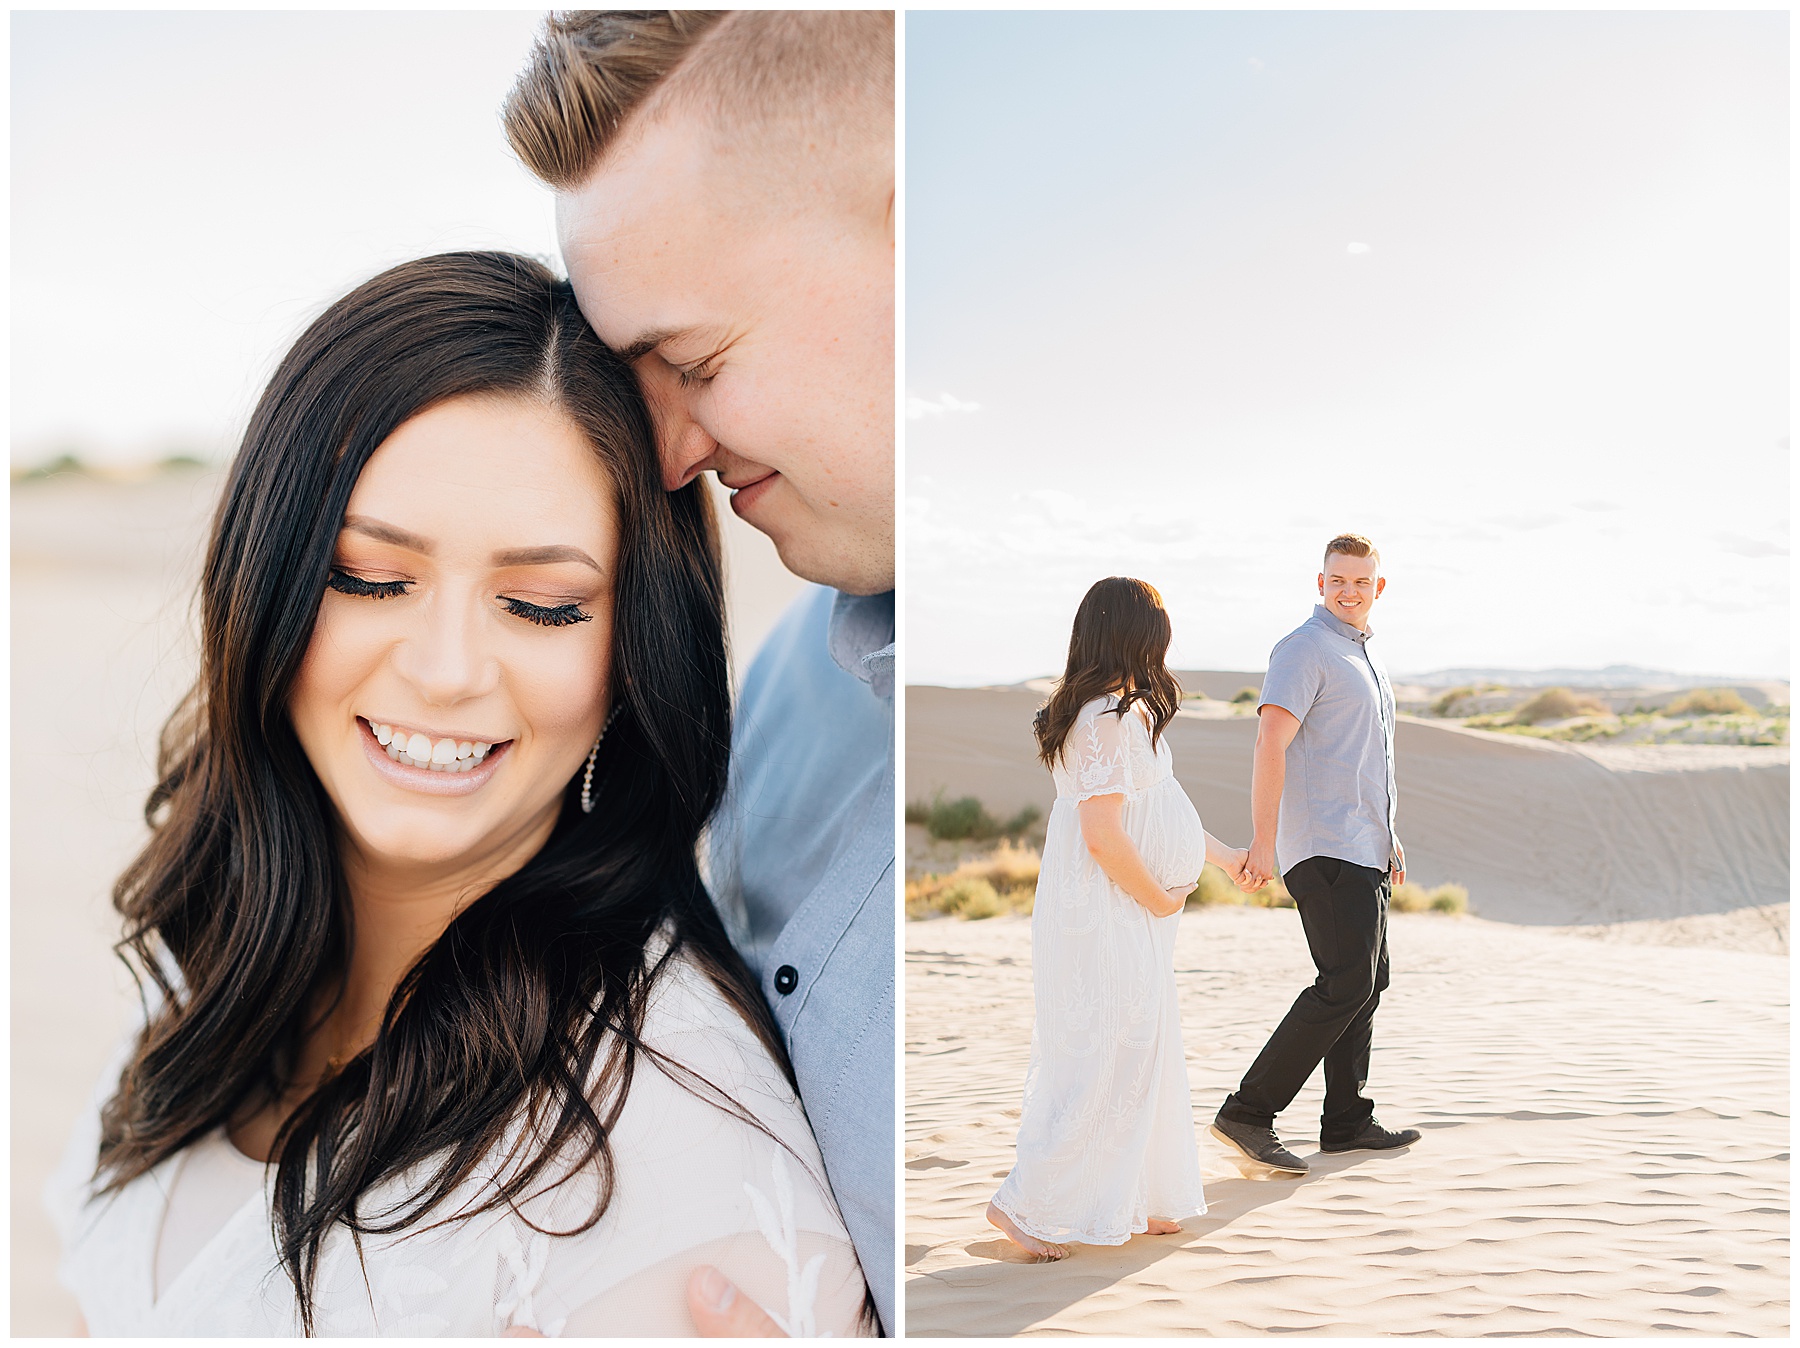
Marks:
<point>1373,1137</point>
<point>1259,1145</point>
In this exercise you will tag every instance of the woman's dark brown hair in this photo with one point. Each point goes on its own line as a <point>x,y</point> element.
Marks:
<point>531,1003</point>
<point>1120,640</point>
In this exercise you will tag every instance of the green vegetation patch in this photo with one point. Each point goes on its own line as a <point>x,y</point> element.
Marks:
<point>966,818</point>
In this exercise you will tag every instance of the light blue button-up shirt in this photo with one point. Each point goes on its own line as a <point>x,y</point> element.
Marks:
<point>801,861</point>
<point>1337,798</point>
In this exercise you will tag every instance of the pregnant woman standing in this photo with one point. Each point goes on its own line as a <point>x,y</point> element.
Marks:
<point>1106,1144</point>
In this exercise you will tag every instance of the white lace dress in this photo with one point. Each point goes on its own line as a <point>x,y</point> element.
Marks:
<point>1106,1138</point>
<point>187,1249</point>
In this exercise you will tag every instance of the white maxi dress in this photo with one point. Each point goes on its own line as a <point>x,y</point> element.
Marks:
<point>1106,1137</point>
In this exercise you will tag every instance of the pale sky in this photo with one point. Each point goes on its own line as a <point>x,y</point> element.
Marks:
<point>189,190</point>
<point>1190,293</point>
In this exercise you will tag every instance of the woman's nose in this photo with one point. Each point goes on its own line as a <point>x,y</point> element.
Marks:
<point>445,657</point>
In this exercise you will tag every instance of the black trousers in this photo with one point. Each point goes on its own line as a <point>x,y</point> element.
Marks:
<point>1343,908</point>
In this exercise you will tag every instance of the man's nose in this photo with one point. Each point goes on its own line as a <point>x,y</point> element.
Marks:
<point>683,447</point>
<point>685,451</point>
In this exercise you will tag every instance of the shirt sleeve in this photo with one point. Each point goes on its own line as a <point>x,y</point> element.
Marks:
<point>1097,753</point>
<point>1294,680</point>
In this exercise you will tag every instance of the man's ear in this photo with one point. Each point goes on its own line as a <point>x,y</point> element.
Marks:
<point>1380,585</point>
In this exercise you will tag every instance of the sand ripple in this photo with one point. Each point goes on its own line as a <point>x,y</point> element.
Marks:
<point>1605,1150</point>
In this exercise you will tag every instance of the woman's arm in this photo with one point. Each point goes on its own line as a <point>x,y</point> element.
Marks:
<point>1228,859</point>
<point>1103,830</point>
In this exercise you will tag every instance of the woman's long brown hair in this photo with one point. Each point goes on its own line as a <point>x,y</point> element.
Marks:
<point>531,1003</point>
<point>1118,645</point>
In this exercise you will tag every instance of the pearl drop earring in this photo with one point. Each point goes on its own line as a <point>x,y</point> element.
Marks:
<point>587,778</point>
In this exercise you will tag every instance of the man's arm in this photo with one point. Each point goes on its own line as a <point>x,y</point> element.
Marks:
<point>1268,774</point>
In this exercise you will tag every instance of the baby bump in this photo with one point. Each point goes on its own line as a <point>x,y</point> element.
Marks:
<point>1168,834</point>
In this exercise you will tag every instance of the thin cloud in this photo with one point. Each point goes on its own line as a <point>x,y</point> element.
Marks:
<point>1749,547</point>
<point>917,408</point>
<point>1357,249</point>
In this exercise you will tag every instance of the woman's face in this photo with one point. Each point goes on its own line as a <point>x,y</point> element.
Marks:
<point>460,667</point>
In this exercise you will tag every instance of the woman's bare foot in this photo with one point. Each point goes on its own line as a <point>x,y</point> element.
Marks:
<point>1043,1249</point>
<point>1162,1226</point>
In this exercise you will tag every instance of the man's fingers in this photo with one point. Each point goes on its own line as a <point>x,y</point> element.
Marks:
<point>720,1311</point>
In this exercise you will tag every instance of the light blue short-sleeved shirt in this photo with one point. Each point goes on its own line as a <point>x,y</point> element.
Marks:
<point>1337,799</point>
<point>800,858</point>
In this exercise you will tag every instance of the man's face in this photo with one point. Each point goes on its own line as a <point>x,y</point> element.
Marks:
<point>762,333</point>
<point>1349,587</point>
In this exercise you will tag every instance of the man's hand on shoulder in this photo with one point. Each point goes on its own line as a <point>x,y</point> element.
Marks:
<point>720,1311</point>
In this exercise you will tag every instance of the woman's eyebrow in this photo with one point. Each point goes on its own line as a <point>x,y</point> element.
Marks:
<point>383,532</point>
<point>555,552</point>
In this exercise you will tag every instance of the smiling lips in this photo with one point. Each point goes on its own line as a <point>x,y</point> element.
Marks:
<point>748,494</point>
<point>440,766</point>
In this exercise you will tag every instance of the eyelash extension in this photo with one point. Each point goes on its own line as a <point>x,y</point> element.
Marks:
<point>562,615</point>
<point>345,583</point>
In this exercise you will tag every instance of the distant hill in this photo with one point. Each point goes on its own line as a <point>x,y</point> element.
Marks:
<point>1613,676</point>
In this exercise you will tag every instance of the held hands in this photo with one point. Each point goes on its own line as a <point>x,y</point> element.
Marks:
<point>1259,866</point>
<point>1397,867</point>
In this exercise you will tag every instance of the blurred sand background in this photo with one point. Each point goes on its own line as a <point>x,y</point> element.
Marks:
<point>103,571</point>
<point>1598,1058</point>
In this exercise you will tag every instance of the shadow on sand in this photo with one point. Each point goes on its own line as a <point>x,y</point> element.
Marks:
<point>1015,1297</point>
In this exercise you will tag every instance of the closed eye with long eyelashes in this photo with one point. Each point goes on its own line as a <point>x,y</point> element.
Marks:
<point>344,582</point>
<point>560,616</point>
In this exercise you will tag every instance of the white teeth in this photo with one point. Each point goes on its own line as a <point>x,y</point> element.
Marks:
<point>414,750</point>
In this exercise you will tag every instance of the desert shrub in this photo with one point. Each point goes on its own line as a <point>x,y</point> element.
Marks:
<point>1443,705</point>
<point>1708,702</point>
<point>1556,704</point>
<point>1449,899</point>
<point>1024,819</point>
<point>963,817</point>
<point>972,898</point>
<point>1215,887</point>
<point>967,818</point>
<point>1009,874</point>
<point>1272,895</point>
<point>1409,898</point>
<point>1415,898</point>
<point>1194,695</point>
<point>1246,694</point>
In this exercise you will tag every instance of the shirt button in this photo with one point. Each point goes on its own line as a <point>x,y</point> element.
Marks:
<point>787,978</point>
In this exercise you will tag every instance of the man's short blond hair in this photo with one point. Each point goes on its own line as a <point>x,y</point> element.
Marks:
<point>1351,545</point>
<point>828,73</point>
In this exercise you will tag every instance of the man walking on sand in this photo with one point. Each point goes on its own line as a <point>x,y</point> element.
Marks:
<point>724,200</point>
<point>1322,801</point>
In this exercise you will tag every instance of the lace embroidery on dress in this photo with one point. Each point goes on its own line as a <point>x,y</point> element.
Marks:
<point>779,1229</point>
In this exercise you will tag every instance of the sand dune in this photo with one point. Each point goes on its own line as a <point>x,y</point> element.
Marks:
<point>1540,833</point>
<point>1605,1151</point>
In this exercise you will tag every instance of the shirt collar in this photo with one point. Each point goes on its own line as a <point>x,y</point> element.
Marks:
<point>1333,623</point>
<point>860,638</point>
